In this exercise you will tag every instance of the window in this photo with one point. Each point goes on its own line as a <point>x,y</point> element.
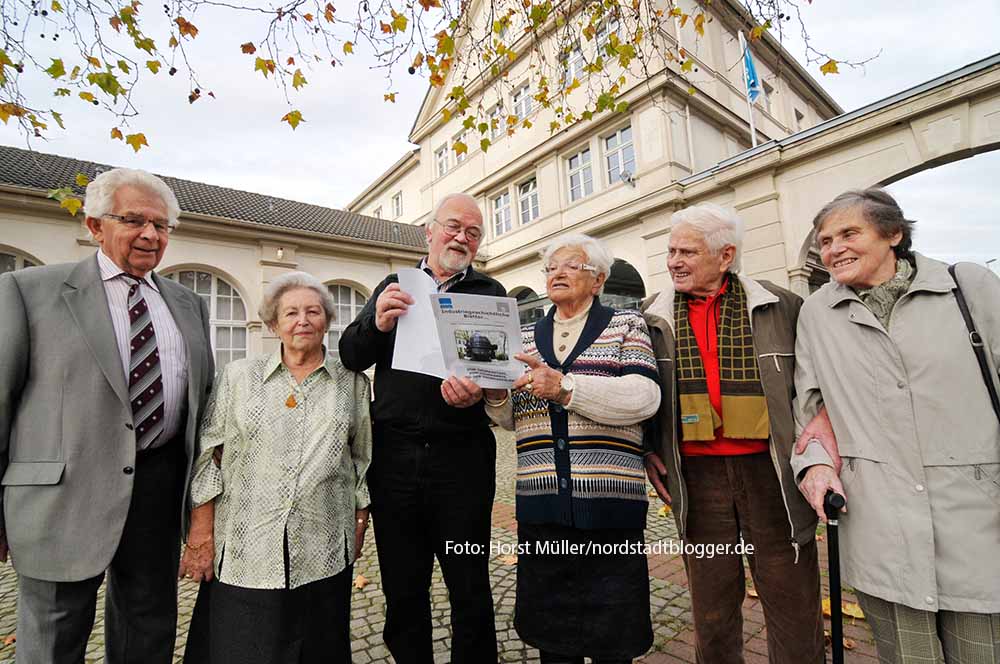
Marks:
<point>610,26</point>
<point>397,205</point>
<point>378,212</point>
<point>800,120</point>
<point>496,122</point>
<point>768,91</point>
<point>11,262</point>
<point>227,314</point>
<point>349,303</point>
<point>527,197</point>
<point>522,102</point>
<point>501,214</point>
<point>441,159</point>
<point>460,138</point>
<point>619,153</point>
<point>573,65</point>
<point>581,179</point>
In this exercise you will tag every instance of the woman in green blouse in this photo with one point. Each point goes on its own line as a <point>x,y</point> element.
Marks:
<point>281,502</point>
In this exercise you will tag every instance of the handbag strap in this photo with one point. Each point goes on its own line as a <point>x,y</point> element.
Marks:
<point>977,342</point>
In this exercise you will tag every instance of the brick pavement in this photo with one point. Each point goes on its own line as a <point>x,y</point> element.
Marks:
<point>668,597</point>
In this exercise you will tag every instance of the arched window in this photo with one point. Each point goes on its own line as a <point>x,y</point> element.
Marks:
<point>10,262</point>
<point>624,288</point>
<point>350,302</point>
<point>228,314</point>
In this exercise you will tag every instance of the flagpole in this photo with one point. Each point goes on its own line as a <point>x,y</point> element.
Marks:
<point>746,89</point>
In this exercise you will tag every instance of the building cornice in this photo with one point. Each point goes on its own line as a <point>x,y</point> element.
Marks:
<point>377,187</point>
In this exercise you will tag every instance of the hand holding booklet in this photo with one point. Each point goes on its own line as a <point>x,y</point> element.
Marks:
<point>444,334</point>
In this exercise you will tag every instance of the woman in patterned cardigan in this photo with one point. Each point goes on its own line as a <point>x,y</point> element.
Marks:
<point>582,582</point>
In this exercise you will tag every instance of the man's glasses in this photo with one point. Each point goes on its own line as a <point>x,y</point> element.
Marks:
<point>453,228</point>
<point>137,223</point>
<point>572,267</point>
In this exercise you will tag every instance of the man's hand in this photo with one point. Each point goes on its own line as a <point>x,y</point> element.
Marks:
<point>460,392</point>
<point>540,380</point>
<point>360,526</point>
<point>389,306</point>
<point>657,474</point>
<point>820,429</point>
<point>814,485</point>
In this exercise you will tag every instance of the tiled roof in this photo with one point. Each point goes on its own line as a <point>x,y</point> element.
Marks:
<point>36,170</point>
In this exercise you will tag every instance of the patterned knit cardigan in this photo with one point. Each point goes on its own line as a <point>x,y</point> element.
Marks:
<point>571,470</point>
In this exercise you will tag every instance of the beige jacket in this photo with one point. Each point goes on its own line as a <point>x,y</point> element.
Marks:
<point>773,313</point>
<point>920,440</point>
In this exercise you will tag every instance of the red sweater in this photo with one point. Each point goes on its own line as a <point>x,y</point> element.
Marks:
<point>703,313</point>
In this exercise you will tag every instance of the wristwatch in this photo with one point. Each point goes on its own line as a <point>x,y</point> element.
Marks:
<point>566,386</point>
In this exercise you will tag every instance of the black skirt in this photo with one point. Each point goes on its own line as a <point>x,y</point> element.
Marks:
<point>578,602</point>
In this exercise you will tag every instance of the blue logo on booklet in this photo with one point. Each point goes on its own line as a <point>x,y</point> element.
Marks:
<point>445,303</point>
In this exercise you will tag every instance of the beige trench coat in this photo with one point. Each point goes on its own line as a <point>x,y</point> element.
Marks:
<point>920,440</point>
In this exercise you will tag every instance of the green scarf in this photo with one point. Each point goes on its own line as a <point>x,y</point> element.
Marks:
<point>882,298</point>
<point>744,406</point>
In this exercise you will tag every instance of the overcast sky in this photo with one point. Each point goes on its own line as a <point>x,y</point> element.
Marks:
<point>350,135</point>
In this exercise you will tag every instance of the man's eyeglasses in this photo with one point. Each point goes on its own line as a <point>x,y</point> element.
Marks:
<point>453,228</point>
<point>572,267</point>
<point>137,223</point>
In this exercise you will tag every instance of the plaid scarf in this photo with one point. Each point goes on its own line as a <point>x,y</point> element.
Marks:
<point>744,407</point>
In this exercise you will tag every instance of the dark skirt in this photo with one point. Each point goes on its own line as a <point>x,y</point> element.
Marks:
<point>305,625</point>
<point>579,604</point>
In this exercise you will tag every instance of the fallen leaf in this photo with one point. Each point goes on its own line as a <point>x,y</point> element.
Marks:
<point>509,560</point>
<point>665,510</point>
<point>849,644</point>
<point>820,538</point>
<point>850,609</point>
<point>360,581</point>
<point>752,592</point>
<point>9,639</point>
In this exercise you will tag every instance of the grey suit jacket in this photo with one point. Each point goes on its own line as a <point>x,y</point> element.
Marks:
<point>65,422</point>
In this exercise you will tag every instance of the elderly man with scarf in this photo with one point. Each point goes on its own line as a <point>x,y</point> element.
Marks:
<point>720,444</point>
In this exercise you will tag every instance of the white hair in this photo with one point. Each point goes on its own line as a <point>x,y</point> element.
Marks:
<point>100,196</point>
<point>456,196</point>
<point>268,310</point>
<point>597,252</point>
<point>719,226</point>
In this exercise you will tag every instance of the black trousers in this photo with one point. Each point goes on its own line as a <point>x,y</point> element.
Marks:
<point>54,618</point>
<point>428,498</point>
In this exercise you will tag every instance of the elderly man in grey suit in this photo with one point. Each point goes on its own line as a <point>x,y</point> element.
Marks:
<point>104,370</point>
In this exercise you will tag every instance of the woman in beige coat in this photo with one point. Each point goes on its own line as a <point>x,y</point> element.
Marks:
<point>885,348</point>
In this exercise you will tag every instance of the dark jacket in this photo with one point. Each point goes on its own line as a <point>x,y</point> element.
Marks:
<point>774,312</point>
<point>407,402</point>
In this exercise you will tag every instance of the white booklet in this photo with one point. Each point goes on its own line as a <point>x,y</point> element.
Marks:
<point>445,334</point>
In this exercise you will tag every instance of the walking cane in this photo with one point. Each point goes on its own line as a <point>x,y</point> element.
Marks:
<point>831,506</point>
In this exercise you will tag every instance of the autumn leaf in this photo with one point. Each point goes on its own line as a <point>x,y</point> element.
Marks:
<point>752,592</point>
<point>185,27</point>
<point>56,7</point>
<point>107,82</point>
<point>94,62</point>
<point>699,24</point>
<point>308,17</point>
<point>460,148</point>
<point>427,4</point>
<point>7,640</point>
<point>88,97</point>
<point>136,141</point>
<point>390,97</point>
<point>56,69</point>
<point>484,144</point>
<point>385,28</point>
<point>360,581</point>
<point>445,43</point>
<point>116,23</point>
<point>850,609</point>
<point>62,92</point>
<point>328,12</point>
<point>153,65</point>
<point>665,510</point>
<point>72,204</point>
<point>248,48</point>
<point>173,42</point>
<point>687,65</point>
<point>691,90</point>
<point>298,80</point>
<point>293,118</point>
<point>58,118</point>
<point>526,124</point>
<point>264,66</point>
<point>509,559</point>
<point>348,48</point>
<point>756,33</point>
<point>124,66</point>
<point>399,21</point>
<point>290,62</point>
<point>830,67</point>
<point>684,19</point>
<point>116,133</point>
<point>418,60</point>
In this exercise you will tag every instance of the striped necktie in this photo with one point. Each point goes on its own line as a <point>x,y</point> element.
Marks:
<point>145,384</point>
